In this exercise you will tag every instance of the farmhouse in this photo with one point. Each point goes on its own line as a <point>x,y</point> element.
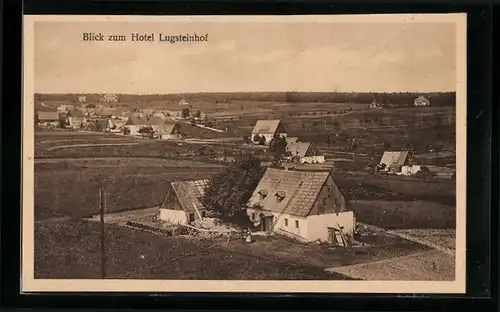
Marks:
<point>170,131</point>
<point>267,129</point>
<point>110,98</point>
<point>48,118</point>
<point>76,119</point>
<point>134,123</point>
<point>305,205</point>
<point>305,153</point>
<point>394,161</point>
<point>181,204</point>
<point>183,102</point>
<point>421,101</point>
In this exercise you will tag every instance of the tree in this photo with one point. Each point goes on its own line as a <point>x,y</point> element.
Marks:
<point>126,130</point>
<point>246,139</point>
<point>278,146</point>
<point>256,138</point>
<point>229,190</point>
<point>336,125</point>
<point>197,114</point>
<point>185,113</point>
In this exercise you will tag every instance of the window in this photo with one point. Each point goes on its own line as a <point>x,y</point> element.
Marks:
<point>203,213</point>
<point>286,222</point>
<point>324,201</point>
<point>253,216</point>
<point>191,217</point>
<point>297,223</point>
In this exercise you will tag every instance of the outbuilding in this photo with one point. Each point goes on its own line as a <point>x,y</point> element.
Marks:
<point>182,202</point>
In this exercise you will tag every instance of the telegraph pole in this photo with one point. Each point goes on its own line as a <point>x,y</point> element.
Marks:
<point>102,207</point>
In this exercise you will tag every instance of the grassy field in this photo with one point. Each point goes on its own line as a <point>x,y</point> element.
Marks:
<point>69,187</point>
<point>71,250</point>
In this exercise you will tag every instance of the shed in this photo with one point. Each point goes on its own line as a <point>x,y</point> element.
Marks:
<point>182,202</point>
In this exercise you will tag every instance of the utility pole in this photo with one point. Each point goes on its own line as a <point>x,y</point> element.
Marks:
<point>102,206</point>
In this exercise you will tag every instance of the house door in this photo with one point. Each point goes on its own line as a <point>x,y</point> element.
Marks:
<point>267,223</point>
<point>191,217</point>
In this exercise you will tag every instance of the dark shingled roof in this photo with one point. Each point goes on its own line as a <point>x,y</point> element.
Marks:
<point>190,193</point>
<point>301,189</point>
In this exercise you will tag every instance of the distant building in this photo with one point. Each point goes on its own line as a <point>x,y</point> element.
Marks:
<point>183,102</point>
<point>82,99</point>
<point>394,161</point>
<point>421,101</point>
<point>268,129</point>
<point>170,131</point>
<point>76,119</point>
<point>110,98</point>
<point>135,123</point>
<point>182,202</point>
<point>48,118</point>
<point>305,205</point>
<point>305,153</point>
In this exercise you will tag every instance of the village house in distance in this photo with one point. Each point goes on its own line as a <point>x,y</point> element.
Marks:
<point>265,130</point>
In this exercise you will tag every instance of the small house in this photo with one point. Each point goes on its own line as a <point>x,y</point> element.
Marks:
<point>305,153</point>
<point>76,119</point>
<point>421,101</point>
<point>305,205</point>
<point>182,202</point>
<point>394,161</point>
<point>48,118</point>
<point>183,102</point>
<point>135,123</point>
<point>110,98</point>
<point>170,131</point>
<point>267,129</point>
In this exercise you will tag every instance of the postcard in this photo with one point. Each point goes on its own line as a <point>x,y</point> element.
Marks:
<point>314,153</point>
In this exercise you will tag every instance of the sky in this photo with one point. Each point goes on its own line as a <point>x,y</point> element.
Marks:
<point>242,56</point>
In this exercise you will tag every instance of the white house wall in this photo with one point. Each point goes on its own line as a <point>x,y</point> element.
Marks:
<point>173,216</point>
<point>318,224</point>
<point>280,227</point>
<point>312,159</point>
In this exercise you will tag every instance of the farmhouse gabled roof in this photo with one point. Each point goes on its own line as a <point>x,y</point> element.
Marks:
<point>299,148</point>
<point>48,116</point>
<point>170,127</point>
<point>266,126</point>
<point>189,194</point>
<point>300,190</point>
<point>391,159</point>
<point>291,140</point>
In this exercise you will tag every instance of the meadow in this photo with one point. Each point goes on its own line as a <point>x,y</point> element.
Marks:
<point>69,187</point>
<point>70,249</point>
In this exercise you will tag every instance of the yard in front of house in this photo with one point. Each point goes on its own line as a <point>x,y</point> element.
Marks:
<point>70,249</point>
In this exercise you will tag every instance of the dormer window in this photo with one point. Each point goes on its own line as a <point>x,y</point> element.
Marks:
<point>262,194</point>
<point>280,195</point>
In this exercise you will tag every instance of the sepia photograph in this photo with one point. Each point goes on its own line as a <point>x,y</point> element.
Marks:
<point>244,153</point>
